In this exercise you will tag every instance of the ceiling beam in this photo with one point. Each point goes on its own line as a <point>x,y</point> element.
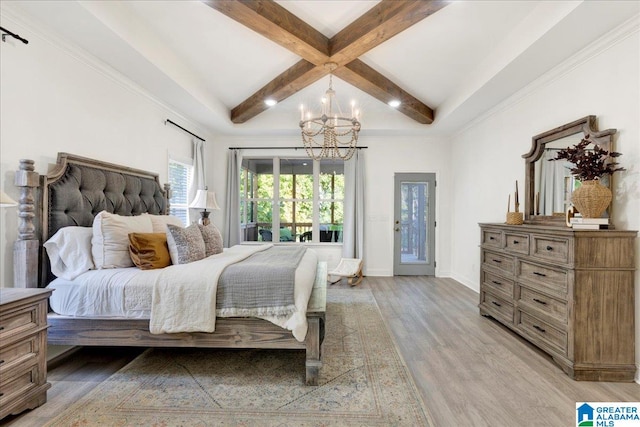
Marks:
<point>278,25</point>
<point>365,78</point>
<point>297,77</point>
<point>380,23</point>
<point>377,25</point>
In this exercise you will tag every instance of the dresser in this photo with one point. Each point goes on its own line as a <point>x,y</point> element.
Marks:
<point>23,349</point>
<point>571,293</point>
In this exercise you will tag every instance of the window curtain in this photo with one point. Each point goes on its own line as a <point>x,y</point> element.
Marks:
<point>353,227</point>
<point>552,184</point>
<point>232,232</point>
<point>199,181</point>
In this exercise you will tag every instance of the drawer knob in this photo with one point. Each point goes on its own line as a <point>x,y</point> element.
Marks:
<point>540,301</point>
<point>492,238</point>
<point>1,361</point>
<point>496,303</point>
<point>495,282</point>
<point>515,242</point>
<point>549,248</point>
<point>497,260</point>
<point>539,328</point>
<point>539,274</point>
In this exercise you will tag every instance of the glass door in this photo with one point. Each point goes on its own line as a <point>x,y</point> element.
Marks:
<point>414,224</point>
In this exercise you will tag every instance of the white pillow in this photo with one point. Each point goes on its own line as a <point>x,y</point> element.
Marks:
<point>159,222</point>
<point>69,252</point>
<point>110,242</point>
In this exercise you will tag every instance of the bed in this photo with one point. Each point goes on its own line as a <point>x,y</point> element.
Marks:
<point>76,190</point>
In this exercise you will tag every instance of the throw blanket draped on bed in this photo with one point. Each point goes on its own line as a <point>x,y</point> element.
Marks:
<point>261,285</point>
<point>184,296</point>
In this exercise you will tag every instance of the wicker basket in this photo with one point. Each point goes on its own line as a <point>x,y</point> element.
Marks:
<point>515,218</point>
<point>591,199</point>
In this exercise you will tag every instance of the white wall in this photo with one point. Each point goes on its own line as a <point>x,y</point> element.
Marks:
<point>54,99</point>
<point>384,157</point>
<point>603,80</point>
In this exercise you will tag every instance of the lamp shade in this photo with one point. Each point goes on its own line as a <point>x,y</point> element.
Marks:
<point>205,200</point>
<point>6,201</point>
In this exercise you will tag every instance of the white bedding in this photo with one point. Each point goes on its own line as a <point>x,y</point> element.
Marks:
<point>127,292</point>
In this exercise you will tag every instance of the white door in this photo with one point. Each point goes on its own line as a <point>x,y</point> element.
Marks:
<point>414,224</point>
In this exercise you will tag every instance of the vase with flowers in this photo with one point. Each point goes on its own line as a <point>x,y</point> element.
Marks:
<point>590,164</point>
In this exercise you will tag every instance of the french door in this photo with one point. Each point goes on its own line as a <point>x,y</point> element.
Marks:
<point>414,224</point>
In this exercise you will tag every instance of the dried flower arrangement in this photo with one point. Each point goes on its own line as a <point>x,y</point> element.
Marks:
<point>589,164</point>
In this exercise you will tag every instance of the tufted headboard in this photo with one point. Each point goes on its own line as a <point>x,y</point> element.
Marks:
<point>78,188</point>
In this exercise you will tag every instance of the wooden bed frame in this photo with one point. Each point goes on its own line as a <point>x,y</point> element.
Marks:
<point>31,269</point>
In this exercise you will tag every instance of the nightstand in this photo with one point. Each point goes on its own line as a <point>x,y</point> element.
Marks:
<point>23,349</point>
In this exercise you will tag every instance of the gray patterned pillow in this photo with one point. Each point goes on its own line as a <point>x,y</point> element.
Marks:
<point>185,244</point>
<point>212,239</point>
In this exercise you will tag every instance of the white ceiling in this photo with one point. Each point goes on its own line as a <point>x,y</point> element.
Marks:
<point>461,61</point>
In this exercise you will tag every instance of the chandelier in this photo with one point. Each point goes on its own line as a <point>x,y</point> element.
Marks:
<point>330,135</point>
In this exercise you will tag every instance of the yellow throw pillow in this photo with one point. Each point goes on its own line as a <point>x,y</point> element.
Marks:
<point>149,250</point>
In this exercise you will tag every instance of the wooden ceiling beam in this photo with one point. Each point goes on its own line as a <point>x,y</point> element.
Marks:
<point>379,24</point>
<point>365,78</point>
<point>277,24</point>
<point>297,77</point>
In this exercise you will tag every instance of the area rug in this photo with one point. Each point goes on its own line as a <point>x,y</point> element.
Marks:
<point>363,382</point>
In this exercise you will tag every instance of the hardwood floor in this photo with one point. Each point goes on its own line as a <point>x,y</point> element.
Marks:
<point>470,370</point>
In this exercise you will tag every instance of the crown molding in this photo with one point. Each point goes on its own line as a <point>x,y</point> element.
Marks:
<point>50,37</point>
<point>607,41</point>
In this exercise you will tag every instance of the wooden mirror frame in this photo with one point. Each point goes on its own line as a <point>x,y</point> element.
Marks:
<point>586,125</point>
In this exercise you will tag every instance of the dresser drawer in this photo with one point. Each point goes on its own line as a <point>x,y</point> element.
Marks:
<point>555,308</point>
<point>546,335</point>
<point>515,242</point>
<point>492,238</point>
<point>18,385</point>
<point>554,249</point>
<point>18,321</point>
<point>499,262</point>
<point>18,353</point>
<point>498,307</point>
<point>544,278</point>
<point>497,284</point>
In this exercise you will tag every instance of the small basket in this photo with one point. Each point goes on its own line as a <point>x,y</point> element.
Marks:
<point>515,218</point>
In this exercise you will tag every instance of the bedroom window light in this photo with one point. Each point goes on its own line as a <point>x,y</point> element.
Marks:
<point>180,177</point>
<point>286,199</point>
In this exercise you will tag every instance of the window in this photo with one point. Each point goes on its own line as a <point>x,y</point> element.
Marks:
<point>307,195</point>
<point>180,177</point>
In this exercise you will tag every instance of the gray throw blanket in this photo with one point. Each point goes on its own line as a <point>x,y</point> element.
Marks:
<point>261,285</point>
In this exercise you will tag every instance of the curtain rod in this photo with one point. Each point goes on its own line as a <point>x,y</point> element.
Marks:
<point>277,148</point>
<point>177,125</point>
<point>14,35</point>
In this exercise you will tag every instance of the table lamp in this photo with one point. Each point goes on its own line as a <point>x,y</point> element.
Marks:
<point>205,200</point>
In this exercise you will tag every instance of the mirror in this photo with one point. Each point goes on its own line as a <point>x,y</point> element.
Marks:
<point>548,185</point>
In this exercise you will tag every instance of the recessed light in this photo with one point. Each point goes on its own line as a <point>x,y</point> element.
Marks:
<point>270,102</point>
<point>394,103</point>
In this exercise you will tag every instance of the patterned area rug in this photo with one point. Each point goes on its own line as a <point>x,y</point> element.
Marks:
<point>363,382</point>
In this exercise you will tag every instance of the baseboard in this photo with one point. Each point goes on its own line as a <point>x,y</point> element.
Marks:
<point>471,284</point>
<point>378,272</point>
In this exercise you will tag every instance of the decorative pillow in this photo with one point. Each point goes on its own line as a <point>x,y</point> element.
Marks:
<point>149,250</point>
<point>185,244</point>
<point>212,239</point>
<point>69,252</point>
<point>159,222</point>
<point>110,242</point>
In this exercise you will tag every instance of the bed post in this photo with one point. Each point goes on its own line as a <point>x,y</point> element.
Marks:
<point>25,250</point>
<point>167,197</point>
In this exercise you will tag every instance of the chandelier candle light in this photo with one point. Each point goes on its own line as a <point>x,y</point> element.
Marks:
<point>339,134</point>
